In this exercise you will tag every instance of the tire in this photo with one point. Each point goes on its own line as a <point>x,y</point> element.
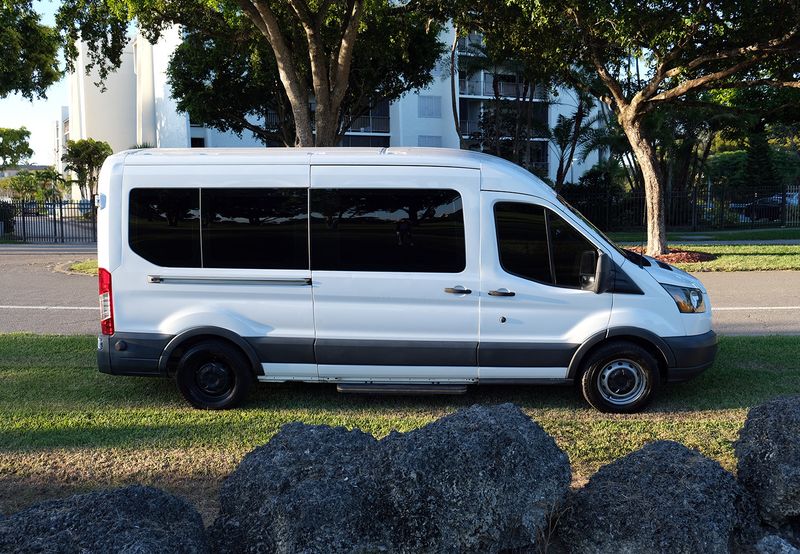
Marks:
<point>213,375</point>
<point>619,377</point>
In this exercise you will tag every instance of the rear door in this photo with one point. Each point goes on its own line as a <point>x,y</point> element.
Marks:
<point>534,314</point>
<point>213,246</point>
<point>394,255</point>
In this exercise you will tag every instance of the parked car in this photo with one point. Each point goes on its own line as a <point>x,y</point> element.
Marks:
<point>769,209</point>
<point>379,270</point>
<point>30,208</point>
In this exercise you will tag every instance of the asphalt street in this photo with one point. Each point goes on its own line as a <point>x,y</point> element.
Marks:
<point>36,296</point>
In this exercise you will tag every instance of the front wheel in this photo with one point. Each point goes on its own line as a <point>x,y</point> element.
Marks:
<point>619,377</point>
<point>213,375</point>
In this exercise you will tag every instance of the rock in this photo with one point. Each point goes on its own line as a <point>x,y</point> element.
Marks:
<point>661,498</point>
<point>768,452</point>
<point>304,491</point>
<point>773,544</point>
<point>131,520</point>
<point>482,479</point>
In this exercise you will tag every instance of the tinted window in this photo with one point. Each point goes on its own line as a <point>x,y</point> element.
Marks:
<point>536,243</point>
<point>567,247</point>
<point>387,230</point>
<point>522,240</point>
<point>255,228</point>
<point>164,226</point>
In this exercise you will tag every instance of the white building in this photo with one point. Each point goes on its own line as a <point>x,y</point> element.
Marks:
<point>137,108</point>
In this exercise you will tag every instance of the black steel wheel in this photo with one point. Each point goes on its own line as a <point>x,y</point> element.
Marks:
<point>619,377</point>
<point>213,375</point>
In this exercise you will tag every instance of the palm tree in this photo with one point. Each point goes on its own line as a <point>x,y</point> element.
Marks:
<point>85,157</point>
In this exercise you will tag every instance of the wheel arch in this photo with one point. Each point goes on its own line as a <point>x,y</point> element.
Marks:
<point>189,337</point>
<point>644,338</point>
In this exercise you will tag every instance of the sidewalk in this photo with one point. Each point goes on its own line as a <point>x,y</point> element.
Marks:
<point>28,249</point>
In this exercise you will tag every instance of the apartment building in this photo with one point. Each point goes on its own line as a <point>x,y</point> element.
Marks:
<point>136,107</point>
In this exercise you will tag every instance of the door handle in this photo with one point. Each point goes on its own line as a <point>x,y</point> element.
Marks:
<point>458,290</point>
<point>501,292</point>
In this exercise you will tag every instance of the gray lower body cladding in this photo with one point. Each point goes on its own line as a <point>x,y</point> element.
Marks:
<point>142,353</point>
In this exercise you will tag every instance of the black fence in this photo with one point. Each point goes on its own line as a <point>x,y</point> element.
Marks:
<point>62,221</point>
<point>699,209</point>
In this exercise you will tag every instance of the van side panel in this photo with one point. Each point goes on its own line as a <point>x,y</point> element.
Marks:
<point>268,308</point>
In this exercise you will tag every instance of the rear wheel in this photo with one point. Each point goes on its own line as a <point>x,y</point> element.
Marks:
<point>619,377</point>
<point>213,375</point>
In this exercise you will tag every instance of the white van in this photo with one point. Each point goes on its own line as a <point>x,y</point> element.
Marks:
<point>394,270</point>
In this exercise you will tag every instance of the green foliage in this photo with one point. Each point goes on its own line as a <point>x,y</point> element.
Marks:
<point>7,214</point>
<point>42,185</point>
<point>85,157</point>
<point>28,62</point>
<point>14,147</point>
<point>729,169</point>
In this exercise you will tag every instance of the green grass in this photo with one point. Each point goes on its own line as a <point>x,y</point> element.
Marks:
<point>64,426</point>
<point>738,234</point>
<point>89,267</point>
<point>745,257</point>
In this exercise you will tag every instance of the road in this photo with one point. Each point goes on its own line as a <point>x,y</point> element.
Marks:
<point>36,298</point>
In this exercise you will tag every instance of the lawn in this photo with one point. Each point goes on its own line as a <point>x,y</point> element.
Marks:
<point>734,234</point>
<point>65,427</point>
<point>745,257</point>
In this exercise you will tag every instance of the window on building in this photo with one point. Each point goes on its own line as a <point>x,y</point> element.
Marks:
<point>255,228</point>
<point>537,244</point>
<point>403,230</point>
<point>198,142</point>
<point>429,106</point>
<point>164,226</point>
<point>431,141</point>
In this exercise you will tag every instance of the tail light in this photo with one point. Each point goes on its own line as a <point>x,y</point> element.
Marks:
<point>106,302</point>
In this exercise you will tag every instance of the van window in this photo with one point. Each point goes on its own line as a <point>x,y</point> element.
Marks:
<point>164,226</point>
<point>537,244</point>
<point>401,230</point>
<point>522,240</point>
<point>255,228</point>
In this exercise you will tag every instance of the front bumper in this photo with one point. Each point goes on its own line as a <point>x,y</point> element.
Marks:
<point>131,353</point>
<point>693,355</point>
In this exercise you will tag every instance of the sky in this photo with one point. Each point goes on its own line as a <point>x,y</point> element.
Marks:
<point>39,116</point>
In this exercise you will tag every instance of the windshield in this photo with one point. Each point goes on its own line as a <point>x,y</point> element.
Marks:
<point>626,253</point>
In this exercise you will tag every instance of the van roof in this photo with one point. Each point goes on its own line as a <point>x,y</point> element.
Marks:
<point>314,156</point>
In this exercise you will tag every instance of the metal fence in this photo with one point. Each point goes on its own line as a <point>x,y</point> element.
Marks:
<point>65,221</point>
<point>697,209</point>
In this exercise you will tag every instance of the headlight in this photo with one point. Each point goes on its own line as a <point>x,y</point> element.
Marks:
<point>689,300</point>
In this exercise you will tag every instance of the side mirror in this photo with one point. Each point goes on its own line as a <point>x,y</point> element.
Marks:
<point>604,276</point>
<point>587,273</point>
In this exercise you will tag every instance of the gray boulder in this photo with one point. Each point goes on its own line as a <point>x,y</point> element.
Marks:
<point>773,544</point>
<point>132,520</point>
<point>483,479</point>
<point>304,491</point>
<point>661,498</point>
<point>768,452</point>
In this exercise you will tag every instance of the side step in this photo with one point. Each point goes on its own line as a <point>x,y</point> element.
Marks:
<point>400,388</point>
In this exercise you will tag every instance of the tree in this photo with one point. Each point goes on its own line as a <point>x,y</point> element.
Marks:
<point>85,157</point>
<point>648,55</point>
<point>28,59</point>
<point>14,147</point>
<point>42,184</point>
<point>317,49</point>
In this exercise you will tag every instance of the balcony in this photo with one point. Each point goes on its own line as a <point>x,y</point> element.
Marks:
<point>370,124</point>
<point>507,89</point>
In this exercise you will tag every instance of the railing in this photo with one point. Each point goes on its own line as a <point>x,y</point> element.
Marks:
<point>696,209</point>
<point>370,124</point>
<point>65,221</point>
<point>475,87</point>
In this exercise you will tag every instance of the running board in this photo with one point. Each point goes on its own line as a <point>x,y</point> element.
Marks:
<point>399,388</point>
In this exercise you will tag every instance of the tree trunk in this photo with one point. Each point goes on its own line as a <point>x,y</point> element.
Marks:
<point>453,84</point>
<point>645,154</point>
